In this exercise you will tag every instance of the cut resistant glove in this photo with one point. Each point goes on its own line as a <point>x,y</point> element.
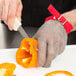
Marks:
<point>52,39</point>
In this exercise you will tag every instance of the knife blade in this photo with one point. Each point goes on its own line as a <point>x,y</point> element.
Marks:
<point>18,27</point>
<point>22,32</point>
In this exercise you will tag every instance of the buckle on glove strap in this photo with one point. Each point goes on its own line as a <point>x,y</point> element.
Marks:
<point>58,17</point>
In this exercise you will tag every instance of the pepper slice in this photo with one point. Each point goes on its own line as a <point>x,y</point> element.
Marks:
<point>59,72</point>
<point>6,69</point>
<point>27,54</point>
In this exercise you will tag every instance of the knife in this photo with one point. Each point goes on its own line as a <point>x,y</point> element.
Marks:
<point>18,27</point>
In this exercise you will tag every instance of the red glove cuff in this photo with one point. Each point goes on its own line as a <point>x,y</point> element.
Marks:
<point>58,17</point>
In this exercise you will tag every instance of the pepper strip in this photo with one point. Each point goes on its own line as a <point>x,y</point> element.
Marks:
<point>59,72</point>
<point>6,69</point>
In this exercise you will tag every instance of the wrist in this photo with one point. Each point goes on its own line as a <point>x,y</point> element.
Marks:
<point>71,17</point>
<point>57,16</point>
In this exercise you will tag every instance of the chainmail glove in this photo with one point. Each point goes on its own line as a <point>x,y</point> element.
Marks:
<point>52,39</point>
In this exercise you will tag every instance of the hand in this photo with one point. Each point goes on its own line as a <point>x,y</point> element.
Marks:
<point>9,9</point>
<point>52,40</point>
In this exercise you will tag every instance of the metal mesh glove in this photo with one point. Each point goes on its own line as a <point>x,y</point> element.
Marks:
<point>52,39</point>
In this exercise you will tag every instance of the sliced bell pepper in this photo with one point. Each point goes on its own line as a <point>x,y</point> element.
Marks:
<point>54,73</point>
<point>7,69</point>
<point>27,54</point>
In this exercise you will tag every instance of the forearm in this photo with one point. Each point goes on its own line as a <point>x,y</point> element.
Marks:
<point>71,17</point>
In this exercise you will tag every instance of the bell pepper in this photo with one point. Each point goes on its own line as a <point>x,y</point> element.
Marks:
<point>6,69</point>
<point>54,73</point>
<point>26,55</point>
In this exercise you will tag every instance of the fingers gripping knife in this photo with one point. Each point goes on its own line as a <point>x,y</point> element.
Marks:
<point>18,27</point>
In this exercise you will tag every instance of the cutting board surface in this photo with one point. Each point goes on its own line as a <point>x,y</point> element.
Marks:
<point>66,61</point>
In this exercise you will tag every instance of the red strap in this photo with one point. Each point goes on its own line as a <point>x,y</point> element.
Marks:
<point>68,27</point>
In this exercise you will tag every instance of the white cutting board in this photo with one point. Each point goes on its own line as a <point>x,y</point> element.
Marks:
<point>66,61</point>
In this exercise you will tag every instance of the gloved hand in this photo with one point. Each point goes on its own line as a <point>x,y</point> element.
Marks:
<point>9,9</point>
<point>52,39</point>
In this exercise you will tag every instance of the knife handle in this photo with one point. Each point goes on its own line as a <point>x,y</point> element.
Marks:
<point>17,24</point>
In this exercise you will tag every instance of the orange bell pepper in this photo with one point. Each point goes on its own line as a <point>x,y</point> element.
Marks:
<point>26,55</point>
<point>59,72</point>
<point>6,69</point>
